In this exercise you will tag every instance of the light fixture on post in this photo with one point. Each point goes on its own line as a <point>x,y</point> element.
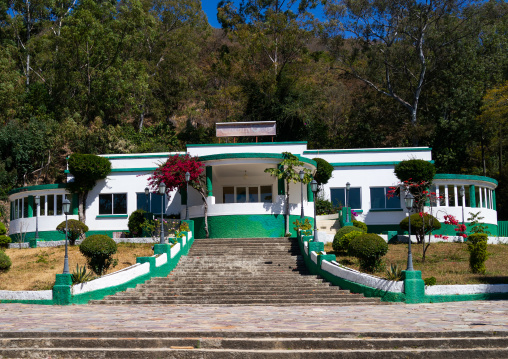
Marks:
<point>348,187</point>
<point>37,203</point>
<point>409,199</point>
<point>302,176</point>
<point>187,179</point>
<point>66,209</point>
<point>314,187</point>
<point>162,191</point>
<point>462,194</point>
<point>147,196</point>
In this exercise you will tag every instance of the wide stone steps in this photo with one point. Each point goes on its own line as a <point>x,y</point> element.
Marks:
<point>253,345</point>
<point>239,272</point>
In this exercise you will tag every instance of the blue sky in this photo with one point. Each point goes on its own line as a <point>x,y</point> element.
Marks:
<point>210,8</point>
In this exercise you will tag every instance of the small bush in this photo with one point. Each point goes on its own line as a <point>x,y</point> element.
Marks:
<point>81,275</point>
<point>341,244</point>
<point>394,272</point>
<point>303,225</point>
<point>324,171</point>
<point>4,241</point>
<point>76,229</point>
<point>477,247</point>
<point>5,262</point>
<point>98,250</point>
<point>325,207</point>
<point>368,248</point>
<point>430,281</point>
<point>184,227</point>
<point>360,225</point>
<point>136,220</point>
<point>3,230</point>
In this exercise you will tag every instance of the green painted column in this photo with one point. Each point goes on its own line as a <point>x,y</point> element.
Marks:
<point>310,194</point>
<point>414,287</point>
<point>183,196</point>
<point>494,200</point>
<point>75,204</point>
<point>280,184</point>
<point>31,205</point>
<point>472,196</point>
<point>209,188</point>
<point>62,289</point>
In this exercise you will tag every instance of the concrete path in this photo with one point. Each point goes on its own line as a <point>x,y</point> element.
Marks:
<point>460,316</point>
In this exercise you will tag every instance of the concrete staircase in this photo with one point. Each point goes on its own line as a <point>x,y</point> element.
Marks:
<point>232,272</point>
<point>254,345</point>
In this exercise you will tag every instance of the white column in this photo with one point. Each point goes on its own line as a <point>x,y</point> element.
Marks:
<point>446,196</point>
<point>456,196</point>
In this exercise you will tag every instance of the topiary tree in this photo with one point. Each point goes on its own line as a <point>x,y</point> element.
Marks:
<point>5,261</point>
<point>136,220</point>
<point>416,176</point>
<point>421,224</point>
<point>287,171</point>
<point>4,241</point>
<point>368,248</point>
<point>324,171</point>
<point>98,250</point>
<point>3,230</point>
<point>477,247</point>
<point>75,228</point>
<point>87,170</point>
<point>340,242</point>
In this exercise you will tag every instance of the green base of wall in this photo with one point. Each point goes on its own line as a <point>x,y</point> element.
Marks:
<point>246,226</point>
<point>446,229</point>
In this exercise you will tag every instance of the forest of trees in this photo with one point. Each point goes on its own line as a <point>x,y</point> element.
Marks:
<point>99,76</point>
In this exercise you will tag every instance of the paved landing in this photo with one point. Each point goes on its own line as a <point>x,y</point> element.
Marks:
<point>460,316</point>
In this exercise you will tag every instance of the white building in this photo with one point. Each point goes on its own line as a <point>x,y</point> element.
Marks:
<point>243,200</point>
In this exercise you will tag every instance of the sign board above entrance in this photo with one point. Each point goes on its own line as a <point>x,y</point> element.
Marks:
<point>237,129</point>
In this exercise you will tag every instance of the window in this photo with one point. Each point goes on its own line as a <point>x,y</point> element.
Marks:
<point>338,197</point>
<point>380,200</point>
<point>115,203</point>
<point>153,205</point>
<point>51,205</point>
<point>251,194</point>
<point>42,206</point>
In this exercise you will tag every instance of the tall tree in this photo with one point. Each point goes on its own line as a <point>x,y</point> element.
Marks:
<point>393,45</point>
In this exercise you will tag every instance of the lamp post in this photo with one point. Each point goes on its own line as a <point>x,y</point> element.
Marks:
<point>302,176</point>
<point>37,203</point>
<point>147,195</point>
<point>162,191</point>
<point>66,208</point>
<point>313,187</point>
<point>462,193</point>
<point>187,179</point>
<point>348,187</point>
<point>409,199</point>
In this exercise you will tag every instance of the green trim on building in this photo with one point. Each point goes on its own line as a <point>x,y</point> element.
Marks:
<point>465,177</point>
<point>250,144</point>
<point>246,226</point>
<point>278,156</point>
<point>386,210</point>
<point>112,216</point>
<point>165,155</point>
<point>360,150</point>
<point>281,189</point>
<point>360,164</point>
<point>75,204</point>
<point>38,188</point>
<point>209,182</point>
<point>494,206</point>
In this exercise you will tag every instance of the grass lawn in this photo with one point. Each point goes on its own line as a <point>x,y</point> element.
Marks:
<point>447,262</point>
<point>35,268</point>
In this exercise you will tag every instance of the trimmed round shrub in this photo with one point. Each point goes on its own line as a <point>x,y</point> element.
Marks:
<point>368,248</point>
<point>76,229</point>
<point>5,261</point>
<point>477,247</point>
<point>136,219</point>
<point>4,241</point>
<point>3,230</point>
<point>415,171</point>
<point>98,250</point>
<point>420,225</point>
<point>360,224</point>
<point>339,243</point>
